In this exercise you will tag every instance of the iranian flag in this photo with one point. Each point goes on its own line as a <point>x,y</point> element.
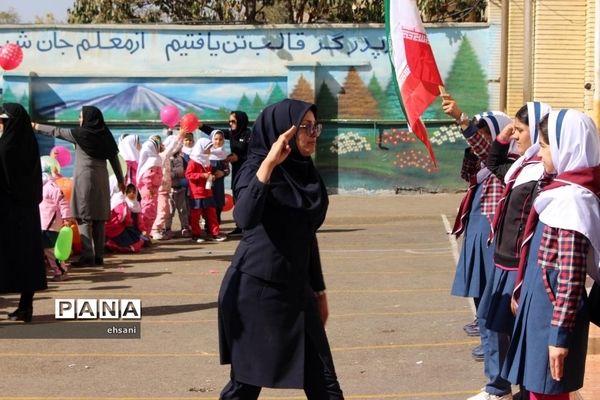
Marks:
<point>413,64</point>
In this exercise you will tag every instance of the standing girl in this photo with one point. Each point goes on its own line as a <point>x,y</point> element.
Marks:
<point>548,349</point>
<point>218,161</point>
<point>202,204</point>
<point>149,178</point>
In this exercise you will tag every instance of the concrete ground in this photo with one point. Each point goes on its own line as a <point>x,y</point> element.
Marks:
<point>395,331</point>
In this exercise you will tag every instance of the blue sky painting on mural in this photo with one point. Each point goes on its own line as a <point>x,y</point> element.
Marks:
<point>132,71</point>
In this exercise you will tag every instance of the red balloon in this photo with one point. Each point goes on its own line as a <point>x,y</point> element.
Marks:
<point>11,56</point>
<point>228,202</point>
<point>189,122</point>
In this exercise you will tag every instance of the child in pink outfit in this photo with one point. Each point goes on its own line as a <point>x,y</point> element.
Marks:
<point>172,145</point>
<point>54,214</point>
<point>149,179</point>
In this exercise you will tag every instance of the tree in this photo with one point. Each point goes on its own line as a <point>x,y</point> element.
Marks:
<point>303,91</point>
<point>244,103</point>
<point>391,108</point>
<point>376,91</point>
<point>356,100</point>
<point>256,107</point>
<point>263,11</point>
<point>276,95</point>
<point>452,11</point>
<point>327,103</point>
<point>48,19</point>
<point>467,81</point>
<point>9,17</point>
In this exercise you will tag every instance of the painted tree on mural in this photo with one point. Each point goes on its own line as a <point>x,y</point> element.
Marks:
<point>256,107</point>
<point>377,91</point>
<point>277,94</point>
<point>466,82</point>
<point>244,103</point>
<point>356,100</point>
<point>392,110</point>
<point>326,103</point>
<point>8,96</point>
<point>303,91</point>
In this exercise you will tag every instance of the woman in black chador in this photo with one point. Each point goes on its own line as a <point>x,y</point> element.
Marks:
<point>272,302</point>
<point>22,268</point>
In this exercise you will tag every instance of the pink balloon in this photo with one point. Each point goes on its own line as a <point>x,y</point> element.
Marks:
<point>189,122</point>
<point>11,56</point>
<point>61,154</point>
<point>169,115</point>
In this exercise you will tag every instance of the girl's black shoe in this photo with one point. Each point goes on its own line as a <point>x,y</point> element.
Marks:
<point>21,315</point>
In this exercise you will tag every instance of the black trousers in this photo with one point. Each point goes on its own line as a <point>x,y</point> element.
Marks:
<point>320,381</point>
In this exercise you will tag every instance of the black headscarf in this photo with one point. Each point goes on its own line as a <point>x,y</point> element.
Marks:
<point>242,122</point>
<point>20,170</point>
<point>93,136</point>
<point>295,183</point>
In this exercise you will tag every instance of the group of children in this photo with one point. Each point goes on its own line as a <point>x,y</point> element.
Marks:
<point>163,177</point>
<point>530,222</point>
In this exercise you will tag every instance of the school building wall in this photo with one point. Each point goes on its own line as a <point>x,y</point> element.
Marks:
<point>131,71</point>
<point>562,52</point>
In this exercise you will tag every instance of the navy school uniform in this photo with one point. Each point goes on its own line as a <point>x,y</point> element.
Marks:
<point>527,361</point>
<point>475,255</point>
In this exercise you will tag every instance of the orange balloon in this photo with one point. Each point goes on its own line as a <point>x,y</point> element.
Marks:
<point>76,249</point>
<point>228,202</point>
<point>66,185</point>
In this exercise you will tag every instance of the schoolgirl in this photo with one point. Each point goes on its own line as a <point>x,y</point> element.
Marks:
<point>54,213</point>
<point>149,178</point>
<point>129,148</point>
<point>202,204</point>
<point>548,349</point>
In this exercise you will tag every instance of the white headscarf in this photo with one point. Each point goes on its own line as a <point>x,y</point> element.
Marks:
<point>116,199</point>
<point>149,157</point>
<point>574,144</point>
<point>536,111</point>
<point>496,121</point>
<point>197,153</point>
<point>128,147</point>
<point>217,153</point>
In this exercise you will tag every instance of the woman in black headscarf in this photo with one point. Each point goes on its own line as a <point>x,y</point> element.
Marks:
<point>90,203</point>
<point>239,137</point>
<point>272,302</point>
<point>22,268</point>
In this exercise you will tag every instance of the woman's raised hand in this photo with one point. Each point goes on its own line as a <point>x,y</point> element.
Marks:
<point>281,149</point>
<point>278,153</point>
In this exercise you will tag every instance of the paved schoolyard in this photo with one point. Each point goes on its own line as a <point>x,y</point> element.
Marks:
<point>395,331</point>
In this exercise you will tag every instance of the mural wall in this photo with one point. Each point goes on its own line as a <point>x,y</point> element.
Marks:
<point>131,72</point>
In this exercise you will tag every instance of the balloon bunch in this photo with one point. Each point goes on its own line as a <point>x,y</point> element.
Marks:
<point>169,115</point>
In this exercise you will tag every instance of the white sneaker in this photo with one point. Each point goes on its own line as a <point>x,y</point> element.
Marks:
<point>158,236</point>
<point>487,396</point>
<point>219,238</point>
